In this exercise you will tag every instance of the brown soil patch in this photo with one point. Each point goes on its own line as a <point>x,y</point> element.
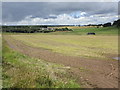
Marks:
<point>90,73</point>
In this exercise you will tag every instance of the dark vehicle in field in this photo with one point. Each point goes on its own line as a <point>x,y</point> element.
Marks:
<point>90,33</point>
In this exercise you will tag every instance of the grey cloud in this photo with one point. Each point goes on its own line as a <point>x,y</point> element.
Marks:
<point>16,11</point>
<point>119,9</point>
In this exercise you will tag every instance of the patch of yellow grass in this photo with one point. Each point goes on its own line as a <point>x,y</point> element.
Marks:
<point>73,27</point>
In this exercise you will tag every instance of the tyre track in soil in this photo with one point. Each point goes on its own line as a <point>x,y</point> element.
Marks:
<point>97,73</point>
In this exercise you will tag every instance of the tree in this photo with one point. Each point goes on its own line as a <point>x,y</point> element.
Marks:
<point>116,23</point>
<point>107,24</point>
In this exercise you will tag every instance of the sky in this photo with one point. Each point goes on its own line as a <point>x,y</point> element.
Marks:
<point>58,13</point>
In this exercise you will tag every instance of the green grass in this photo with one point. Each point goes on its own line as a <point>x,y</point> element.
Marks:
<point>21,71</point>
<point>76,43</point>
<point>84,31</point>
<point>73,45</point>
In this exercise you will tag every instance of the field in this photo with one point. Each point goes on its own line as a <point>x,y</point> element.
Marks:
<point>84,30</point>
<point>73,45</point>
<point>88,59</point>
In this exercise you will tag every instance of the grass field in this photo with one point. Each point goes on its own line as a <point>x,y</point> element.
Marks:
<point>85,30</point>
<point>20,70</point>
<point>73,45</point>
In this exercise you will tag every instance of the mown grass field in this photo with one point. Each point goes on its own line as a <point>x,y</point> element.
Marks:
<point>73,45</point>
<point>20,70</point>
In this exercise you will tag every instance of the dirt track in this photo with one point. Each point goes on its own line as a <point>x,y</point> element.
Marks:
<point>91,73</point>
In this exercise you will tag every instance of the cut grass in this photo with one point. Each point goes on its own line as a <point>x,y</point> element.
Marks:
<point>21,71</point>
<point>76,43</point>
<point>73,45</point>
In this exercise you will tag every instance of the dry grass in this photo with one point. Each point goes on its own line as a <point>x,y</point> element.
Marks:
<point>74,27</point>
<point>74,45</point>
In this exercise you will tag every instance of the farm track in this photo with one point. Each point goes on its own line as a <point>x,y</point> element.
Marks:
<point>90,73</point>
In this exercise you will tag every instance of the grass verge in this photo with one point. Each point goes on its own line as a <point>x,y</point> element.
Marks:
<point>21,71</point>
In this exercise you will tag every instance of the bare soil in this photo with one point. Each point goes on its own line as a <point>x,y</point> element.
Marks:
<point>90,73</point>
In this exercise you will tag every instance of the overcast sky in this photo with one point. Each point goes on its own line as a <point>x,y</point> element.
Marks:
<point>37,13</point>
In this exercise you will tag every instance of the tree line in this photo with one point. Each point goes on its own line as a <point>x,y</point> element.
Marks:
<point>32,29</point>
<point>45,29</point>
<point>115,23</point>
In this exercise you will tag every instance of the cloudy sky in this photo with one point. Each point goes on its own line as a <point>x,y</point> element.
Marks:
<point>58,13</point>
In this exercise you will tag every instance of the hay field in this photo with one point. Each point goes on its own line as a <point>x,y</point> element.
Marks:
<point>73,45</point>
